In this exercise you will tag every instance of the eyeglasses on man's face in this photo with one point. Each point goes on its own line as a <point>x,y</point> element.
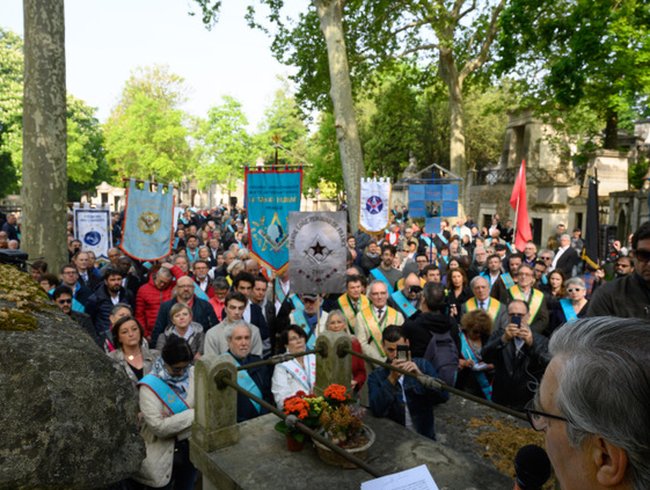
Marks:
<point>539,420</point>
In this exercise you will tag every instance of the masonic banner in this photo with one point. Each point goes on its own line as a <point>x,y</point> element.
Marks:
<point>270,197</point>
<point>317,252</point>
<point>148,230</point>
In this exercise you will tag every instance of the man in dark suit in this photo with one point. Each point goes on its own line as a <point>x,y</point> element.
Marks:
<point>243,283</point>
<point>566,258</point>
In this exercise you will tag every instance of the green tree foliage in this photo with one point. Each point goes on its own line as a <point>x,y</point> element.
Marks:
<point>146,136</point>
<point>86,163</point>
<point>222,145</point>
<point>11,111</point>
<point>283,126</point>
<point>323,156</point>
<point>588,54</point>
<point>391,136</point>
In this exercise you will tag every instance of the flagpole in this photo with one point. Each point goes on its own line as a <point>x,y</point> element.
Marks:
<point>514,226</point>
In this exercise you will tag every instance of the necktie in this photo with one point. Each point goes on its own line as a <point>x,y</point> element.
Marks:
<point>482,305</point>
<point>380,313</point>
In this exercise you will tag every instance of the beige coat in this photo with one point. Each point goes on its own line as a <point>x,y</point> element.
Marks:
<point>160,429</point>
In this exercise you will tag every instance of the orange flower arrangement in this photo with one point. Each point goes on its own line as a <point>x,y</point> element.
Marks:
<point>296,405</point>
<point>334,413</point>
<point>336,393</point>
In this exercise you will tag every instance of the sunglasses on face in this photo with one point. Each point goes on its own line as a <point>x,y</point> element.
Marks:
<point>64,301</point>
<point>573,290</point>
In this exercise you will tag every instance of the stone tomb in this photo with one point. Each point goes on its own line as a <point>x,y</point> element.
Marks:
<point>253,455</point>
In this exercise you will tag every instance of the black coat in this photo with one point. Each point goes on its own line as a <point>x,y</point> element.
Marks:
<point>567,261</point>
<point>261,375</point>
<point>516,376</point>
<point>99,307</point>
<point>420,327</point>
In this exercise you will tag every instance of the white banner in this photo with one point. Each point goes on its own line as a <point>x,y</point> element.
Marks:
<point>93,228</point>
<point>375,204</point>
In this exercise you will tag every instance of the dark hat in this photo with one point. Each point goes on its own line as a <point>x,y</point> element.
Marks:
<point>309,297</point>
<point>500,246</point>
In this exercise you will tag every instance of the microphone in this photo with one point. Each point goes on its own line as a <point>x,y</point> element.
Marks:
<point>532,468</point>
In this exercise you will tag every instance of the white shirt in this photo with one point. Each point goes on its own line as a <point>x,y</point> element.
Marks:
<point>559,253</point>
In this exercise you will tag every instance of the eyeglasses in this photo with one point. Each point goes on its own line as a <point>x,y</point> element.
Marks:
<point>546,258</point>
<point>539,420</point>
<point>573,290</point>
<point>64,301</point>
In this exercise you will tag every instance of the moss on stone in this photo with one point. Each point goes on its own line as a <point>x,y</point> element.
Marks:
<point>19,289</point>
<point>15,319</point>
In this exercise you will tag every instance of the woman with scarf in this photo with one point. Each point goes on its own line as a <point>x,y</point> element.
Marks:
<point>166,424</point>
<point>297,374</point>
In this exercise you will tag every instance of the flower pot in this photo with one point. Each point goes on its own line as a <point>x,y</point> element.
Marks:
<point>361,452</point>
<point>293,444</point>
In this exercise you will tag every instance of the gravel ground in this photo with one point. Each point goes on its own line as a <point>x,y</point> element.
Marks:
<point>483,434</point>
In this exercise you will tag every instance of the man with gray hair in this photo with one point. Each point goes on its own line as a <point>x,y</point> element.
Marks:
<point>256,380</point>
<point>593,403</point>
<point>566,258</point>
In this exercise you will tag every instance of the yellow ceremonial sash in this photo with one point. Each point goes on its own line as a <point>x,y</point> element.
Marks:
<point>534,304</point>
<point>375,329</point>
<point>494,306</point>
<point>349,311</point>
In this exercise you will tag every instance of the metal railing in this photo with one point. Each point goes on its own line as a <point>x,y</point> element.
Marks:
<point>226,377</point>
<point>277,359</point>
<point>435,383</point>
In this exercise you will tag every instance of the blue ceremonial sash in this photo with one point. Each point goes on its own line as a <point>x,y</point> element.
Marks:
<point>199,293</point>
<point>301,319</point>
<point>379,275</point>
<point>482,379</point>
<point>443,239</point>
<point>148,231</point>
<point>77,306</point>
<point>567,309</point>
<point>245,381</point>
<point>279,294</point>
<point>404,304</point>
<point>163,391</point>
<point>507,280</point>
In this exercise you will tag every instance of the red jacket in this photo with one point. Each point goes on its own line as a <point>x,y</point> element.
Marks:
<point>149,299</point>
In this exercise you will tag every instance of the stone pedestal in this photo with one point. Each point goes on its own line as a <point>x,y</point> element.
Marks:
<point>261,460</point>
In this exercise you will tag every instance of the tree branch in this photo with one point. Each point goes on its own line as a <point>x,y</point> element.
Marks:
<point>410,25</point>
<point>422,47</point>
<point>468,10</point>
<point>478,61</point>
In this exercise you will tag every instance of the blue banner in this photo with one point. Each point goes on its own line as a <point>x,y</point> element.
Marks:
<point>270,197</point>
<point>148,230</point>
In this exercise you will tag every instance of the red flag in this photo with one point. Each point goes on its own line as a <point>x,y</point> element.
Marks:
<point>519,203</point>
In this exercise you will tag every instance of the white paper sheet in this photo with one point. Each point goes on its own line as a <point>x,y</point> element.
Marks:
<point>418,478</point>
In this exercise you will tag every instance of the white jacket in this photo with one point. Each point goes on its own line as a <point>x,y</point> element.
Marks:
<point>160,429</point>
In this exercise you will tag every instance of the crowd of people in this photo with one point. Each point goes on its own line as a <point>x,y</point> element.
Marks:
<point>461,305</point>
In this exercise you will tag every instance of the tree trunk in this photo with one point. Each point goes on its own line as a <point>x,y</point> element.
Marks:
<point>45,178</point>
<point>611,131</point>
<point>457,155</point>
<point>330,13</point>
